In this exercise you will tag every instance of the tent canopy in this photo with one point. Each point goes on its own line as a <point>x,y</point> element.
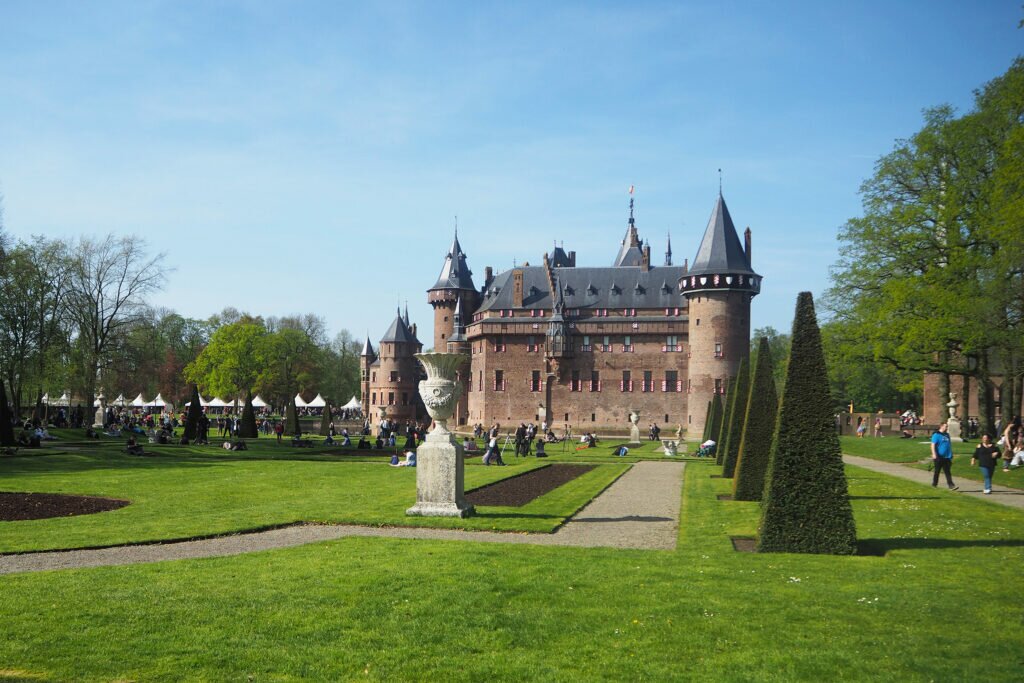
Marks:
<point>300,402</point>
<point>317,402</point>
<point>353,404</point>
<point>139,402</point>
<point>216,403</point>
<point>157,402</point>
<point>258,402</point>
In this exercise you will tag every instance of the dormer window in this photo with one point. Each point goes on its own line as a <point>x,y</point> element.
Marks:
<point>616,290</point>
<point>569,291</point>
<point>639,289</point>
<point>591,289</point>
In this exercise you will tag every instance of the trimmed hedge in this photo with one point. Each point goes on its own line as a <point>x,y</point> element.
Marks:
<point>708,419</point>
<point>325,421</point>
<point>736,420</point>
<point>291,419</point>
<point>716,418</point>
<point>192,417</point>
<point>806,508</point>
<point>722,428</point>
<point>756,445</point>
<point>247,428</point>
<point>6,428</point>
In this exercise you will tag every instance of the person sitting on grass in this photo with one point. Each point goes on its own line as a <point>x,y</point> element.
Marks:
<point>707,449</point>
<point>27,438</point>
<point>363,443</point>
<point>540,452</point>
<point>133,447</point>
<point>468,445</point>
<point>622,451</point>
<point>44,435</point>
<point>379,444</point>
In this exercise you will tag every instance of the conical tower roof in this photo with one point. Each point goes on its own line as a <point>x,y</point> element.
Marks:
<point>455,274</point>
<point>398,332</point>
<point>720,251</point>
<point>367,348</point>
<point>631,252</point>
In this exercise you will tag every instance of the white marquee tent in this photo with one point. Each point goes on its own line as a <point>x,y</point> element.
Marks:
<point>300,402</point>
<point>317,402</point>
<point>354,404</point>
<point>258,402</point>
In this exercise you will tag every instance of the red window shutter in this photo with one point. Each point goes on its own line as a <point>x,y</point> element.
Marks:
<point>664,385</point>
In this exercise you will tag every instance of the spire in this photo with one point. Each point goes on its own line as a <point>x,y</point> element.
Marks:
<point>405,318</point>
<point>458,328</point>
<point>455,274</point>
<point>668,250</point>
<point>367,351</point>
<point>631,252</point>
<point>720,251</point>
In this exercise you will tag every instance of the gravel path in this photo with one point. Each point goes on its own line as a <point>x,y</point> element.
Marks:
<point>640,510</point>
<point>1000,494</point>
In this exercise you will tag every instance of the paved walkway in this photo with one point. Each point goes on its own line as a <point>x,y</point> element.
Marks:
<point>640,510</point>
<point>968,487</point>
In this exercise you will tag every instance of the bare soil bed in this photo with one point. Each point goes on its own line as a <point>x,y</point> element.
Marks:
<point>16,507</point>
<point>521,489</point>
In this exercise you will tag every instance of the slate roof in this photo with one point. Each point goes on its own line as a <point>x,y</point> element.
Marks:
<point>587,288</point>
<point>720,251</point>
<point>631,253</point>
<point>455,274</point>
<point>399,332</point>
<point>367,348</point>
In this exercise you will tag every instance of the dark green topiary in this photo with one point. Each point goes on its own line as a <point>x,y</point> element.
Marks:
<point>291,419</point>
<point>739,413</point>
<point>325,421</point>
<point>192,417</point>
<point>247,428</point>
<point>708,418</point>
<point>756,445</point>
<point>723,422</point>
<point>716,418</point>
<point>6,428</point>
<point>806,507</point>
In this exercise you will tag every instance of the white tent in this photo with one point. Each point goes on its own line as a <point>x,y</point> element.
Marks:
<point>139,402</point>
<point>216,403</point>
<point>299,402</point>
<point>157,402</point>
<point>317,402</point>
<point>64,400</point>
<point>202,402</point>
<point>120,401</point>
<point>258,402</point>
<point>354,404</point>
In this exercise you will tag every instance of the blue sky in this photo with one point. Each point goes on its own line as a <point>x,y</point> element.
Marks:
<point>311,156</point>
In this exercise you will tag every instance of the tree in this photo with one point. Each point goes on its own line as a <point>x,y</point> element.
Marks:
<point>778,344</point>
<point>806,508</point>
<point>736,419</point>
<point>755,447</point>
<point>288,360</point>
<point>108,283</point>
<point>325,421</point>
<point>231,363</point>
<point>291,419</point>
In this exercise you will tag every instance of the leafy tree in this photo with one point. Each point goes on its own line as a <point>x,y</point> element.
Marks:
<point>734,433</point>
<point>755,447</point>
<point>230,364</point>
<point>806,508</point>
<point>288,360</point>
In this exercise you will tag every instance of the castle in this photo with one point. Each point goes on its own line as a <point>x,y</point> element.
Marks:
<point>581,346</point>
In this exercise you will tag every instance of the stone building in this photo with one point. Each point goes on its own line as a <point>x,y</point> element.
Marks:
<point>391,373</point>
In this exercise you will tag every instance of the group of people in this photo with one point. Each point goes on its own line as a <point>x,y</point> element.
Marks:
<point>1009,449</point>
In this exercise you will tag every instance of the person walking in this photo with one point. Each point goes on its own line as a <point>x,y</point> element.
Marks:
<point>942,456</point>
<point>985,456</point>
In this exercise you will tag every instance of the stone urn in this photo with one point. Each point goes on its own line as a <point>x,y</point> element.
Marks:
<point>634,429</point>
<point>439,459</point>
<point>953,423</point>
<point>670,447</point>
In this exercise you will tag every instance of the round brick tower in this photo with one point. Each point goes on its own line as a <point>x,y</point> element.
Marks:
<point>718,288</point>
<point>454,283</point>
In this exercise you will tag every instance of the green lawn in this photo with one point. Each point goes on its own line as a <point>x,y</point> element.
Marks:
<point>939,599</point>
<point>914,451</point>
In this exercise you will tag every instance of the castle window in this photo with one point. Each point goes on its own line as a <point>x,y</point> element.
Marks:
<point>499,344</point>
<point>531,344</point>
<point>718,387</point>
<point>405,398</point>
<point>628,311</point>
<point>718,350</point>
<point>689,386</point>
<point>480,380</point>
<point>575,383</point>
<point>595,380</point>
<point>627,381</point>
<point>648,383</point>
<point>671,381</point>
<point>627,344</point>
<point>499,380</point>
<point>393,377</point>
<point>535,383</point>
<point>586,344</point>
<point>607,344</point>
<point>374,377</point>
<point>672,344</point>
<point>391,398</point>
<point>373,399</point>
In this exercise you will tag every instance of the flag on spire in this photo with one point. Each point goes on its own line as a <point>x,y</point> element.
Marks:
<point>631,189</point>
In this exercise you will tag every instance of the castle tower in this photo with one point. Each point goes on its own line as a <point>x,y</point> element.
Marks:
<point>454,283</point>
<point>718,287</point>
<point>366,358</point>
<point>395,375</point>
<point>457,343</point>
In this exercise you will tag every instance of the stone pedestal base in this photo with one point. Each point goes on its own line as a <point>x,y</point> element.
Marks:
<point>634,436</point>
<point>440,478</point>
<point>954,429</point>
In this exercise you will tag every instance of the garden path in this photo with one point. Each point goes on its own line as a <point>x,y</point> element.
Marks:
<point>1000,494</point>
<point>640,510</point>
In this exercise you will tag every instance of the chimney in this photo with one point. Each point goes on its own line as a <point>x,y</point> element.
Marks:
<point>517,289</point>
<point>488,276</point>
<point>746,243</point>
<point>646,263</point>
<point>572,259</point>
<point>414,331</point>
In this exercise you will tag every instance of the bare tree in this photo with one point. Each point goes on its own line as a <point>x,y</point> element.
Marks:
<point>109,281</point>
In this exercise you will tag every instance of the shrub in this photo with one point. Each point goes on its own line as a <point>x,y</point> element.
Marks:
<point>6,428</point>
<point>291,419</point>
<point>325,421</point>
<point>716,418</point>
<point>756,444</point>
<point>806,508</point>
<point>723,423</point>
<point>247,428</point>
<point>736,419</point>
<point>709,417</point>
<point>192,417</point>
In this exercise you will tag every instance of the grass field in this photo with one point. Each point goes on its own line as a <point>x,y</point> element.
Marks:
<point>936,597</point>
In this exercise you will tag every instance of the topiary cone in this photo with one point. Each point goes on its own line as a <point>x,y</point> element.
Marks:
<point>756,445</point>
<point>247,428</point>
<point>736,419</point>
<point>723,421</point>
<point>192,417</point>
<point>291,419</point>
<point>6,428</point>
<point>325,421</point>
<point>806,508</point>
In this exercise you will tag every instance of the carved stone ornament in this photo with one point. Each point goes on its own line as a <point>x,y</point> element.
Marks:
<point>439,391</point>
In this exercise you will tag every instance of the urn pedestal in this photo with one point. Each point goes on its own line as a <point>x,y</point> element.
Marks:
<point>634,429</point>
<point>953,423</point>
<point>440,473</point>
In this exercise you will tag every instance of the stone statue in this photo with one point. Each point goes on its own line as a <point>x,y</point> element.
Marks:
<point>634,430</point>
<point>670,447</point>
<point>953,422</point>
<point>100,419</point>
<point>440,474</point>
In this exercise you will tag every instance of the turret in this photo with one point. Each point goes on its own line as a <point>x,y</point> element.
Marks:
<point>455,282</point>
<point>366,358</point>
<point>718,286</point>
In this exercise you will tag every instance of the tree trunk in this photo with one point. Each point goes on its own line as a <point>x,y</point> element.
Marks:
<point>943,397</point>
<point>986,413</point>
<point>965,401</point>
<point>6,428</point>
